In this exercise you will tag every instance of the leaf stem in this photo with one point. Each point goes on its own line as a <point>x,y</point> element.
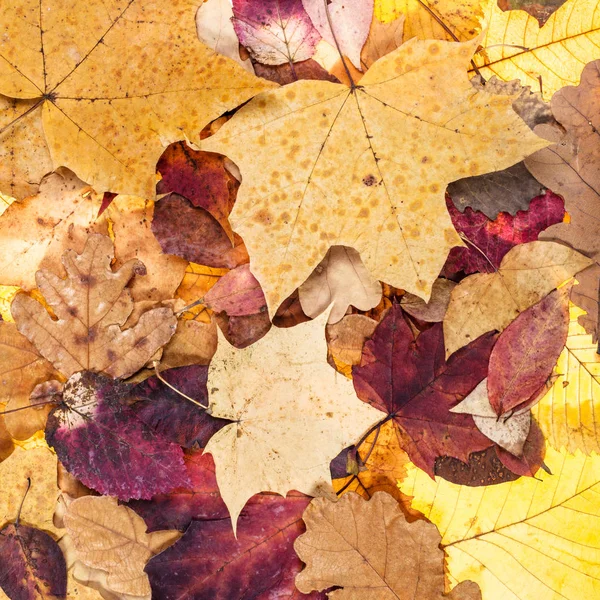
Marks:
<point>22,501</point>
<point>12,410</point>
<point>23,115</point>
<point>189,307</point>
<point>337,45</point>
<point>161,378</point>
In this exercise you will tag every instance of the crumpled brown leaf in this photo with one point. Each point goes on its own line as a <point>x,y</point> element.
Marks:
<point>91,305</point>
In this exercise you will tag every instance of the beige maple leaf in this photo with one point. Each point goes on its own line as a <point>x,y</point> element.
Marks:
<point>91,305</point>
<point>370,550</point>
<point>366,167</point>
<point>112,84</point>
<point>292,415</point>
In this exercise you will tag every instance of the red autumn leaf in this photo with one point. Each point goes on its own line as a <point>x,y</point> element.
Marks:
<point>176,419</point>
<point>410,380</point>
<point>32,565</point>
<point>102,442</point>
<point>237,293</point>
<point>194,234</point>
<point>527,351</point>
<point>201,177</point>
<point>275,31</point>
<point>488,241</point>
<point>211,564</point>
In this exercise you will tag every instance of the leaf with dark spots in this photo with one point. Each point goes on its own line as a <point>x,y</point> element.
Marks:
<point>245,330</point>
<point>201,177</point>
<point>275,31</point>
<point>526,353</point>
<point>237,293</point>
<point>32,565</point>
<point>210,562</point>
<point>411,381</point>
<point>288,73</point>
<point>483,468</point>
<point>509,191</point>
<point>103,443</point>
<point>194,234</point>
<point>173,417</point>
<point>487,241</point>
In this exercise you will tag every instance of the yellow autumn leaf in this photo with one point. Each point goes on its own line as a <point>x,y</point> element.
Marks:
<point>197,281</point>
<point>112,83</point>
<point>324,164</point>
<point>569,414</point>
<point>550,57</point>
<point>424,19</point>
<point>530,539</point>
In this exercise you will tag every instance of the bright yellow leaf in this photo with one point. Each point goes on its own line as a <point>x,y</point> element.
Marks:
<point>569,414</point>
<point>530,539</point>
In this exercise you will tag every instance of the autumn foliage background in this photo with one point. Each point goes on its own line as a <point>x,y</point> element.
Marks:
<point>299,299</point>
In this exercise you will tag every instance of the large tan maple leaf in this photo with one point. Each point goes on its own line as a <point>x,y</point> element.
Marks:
<point>113,82</point>
<point>324,165</point>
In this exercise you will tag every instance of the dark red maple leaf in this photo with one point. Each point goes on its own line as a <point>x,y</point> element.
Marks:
<point>172,416</point>
<point>32,564</point>
<point>491,240</point>
<point>102,442</point>
<point>411,381</point>
<point>211,563</point>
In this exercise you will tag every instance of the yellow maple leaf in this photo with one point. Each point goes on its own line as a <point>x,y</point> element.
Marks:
<point>365,167</point>
<point>528,539</point>
<point>113,83</point>
<point>569,414</point>
<point>550,57</point>
<point>452,20</point>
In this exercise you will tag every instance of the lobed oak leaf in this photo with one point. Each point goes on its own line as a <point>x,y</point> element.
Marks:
<point>33,565</point>
<point>103,442</point>
<point>491,301</point>
<point>340,279</point>
<point>349,166</point>
<point>91,305</point>
<point>526,352</point>
<point>409,379</point>
<point>111,537</point>
<point>488,241</point>
<point>291,417</point>
<point>35,232</point>
<point>106,81</point>
<point>568,412</point>
<point>369,550</point>
<point>461,18</point>
<point>505,537</point>
<point>516,47</point>
<point>275,31</point>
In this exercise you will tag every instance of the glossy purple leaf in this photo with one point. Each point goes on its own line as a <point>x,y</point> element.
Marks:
<point>32,565</point>
<point>411,381</point>
<point>176,419</point>
<point>210,563</point>
<point>487,241</point>
<point>275,31</point>
<point>102,442</point>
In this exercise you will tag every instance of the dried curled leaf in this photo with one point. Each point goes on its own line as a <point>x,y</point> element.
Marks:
<point>91,305</point>
<point>113,538</point>
<point>370,550</point>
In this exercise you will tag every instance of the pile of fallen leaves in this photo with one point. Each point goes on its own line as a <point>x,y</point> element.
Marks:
<point>299,299</point>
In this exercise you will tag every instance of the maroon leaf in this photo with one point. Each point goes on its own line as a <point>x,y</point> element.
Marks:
<point>237,293</point>
<point>101,441</point>
<point>411,381</point>
<point>209,561</point>
<point>243,331</point>
<point>176,419</point>
<point>488,241</point>
<point>275,31</point>
<point>533,453</point>
<point>527,351</point>
<point>194,234</point>
<point>290,72</point>
<point>201,177</point>
<point>32,565</point>
<point>483,468</point>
